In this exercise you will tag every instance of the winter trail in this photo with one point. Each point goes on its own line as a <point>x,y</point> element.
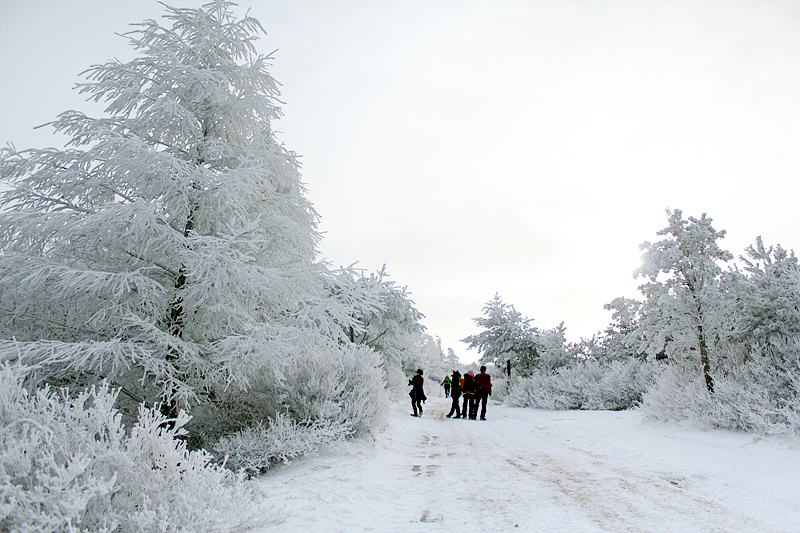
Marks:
<point>542,471</point>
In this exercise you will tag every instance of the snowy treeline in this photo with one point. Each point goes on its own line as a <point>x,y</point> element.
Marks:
<point>161,273</point>
<point>715,344</point>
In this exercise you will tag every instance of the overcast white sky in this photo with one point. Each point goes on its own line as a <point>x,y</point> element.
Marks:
<point>519,147</point>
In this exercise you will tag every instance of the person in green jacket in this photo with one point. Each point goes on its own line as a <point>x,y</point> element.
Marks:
<point>446,385</point>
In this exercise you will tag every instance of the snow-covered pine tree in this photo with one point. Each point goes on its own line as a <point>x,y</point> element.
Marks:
<point>553,348</point>
<point>390,328</point>
<point>170,249</point>
<point>508,339</point>
<point>451,359</point>
<point>680,308</point>
<point>622,339</point>
<point>769,295</point>
<point>426,353</point>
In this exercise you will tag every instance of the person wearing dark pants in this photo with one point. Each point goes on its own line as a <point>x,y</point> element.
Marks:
<point>455,393</point>
<point>483,389</point>
<point>468,391</point>
<point>417,393</point>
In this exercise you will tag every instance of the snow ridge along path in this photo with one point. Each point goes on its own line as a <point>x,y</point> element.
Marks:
<point>526,470</point>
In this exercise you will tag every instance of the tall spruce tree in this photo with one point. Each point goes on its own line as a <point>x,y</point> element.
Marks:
<point>680,306</point>
<point>170,248</point>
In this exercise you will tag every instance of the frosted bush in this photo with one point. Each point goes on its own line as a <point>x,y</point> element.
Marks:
<point>760,395</point>
<point>67,465</point>
<point>500,387</point>
<point>679,394</point>
<point>345,386</point>
<point>257,448</point>
<point>58,458</point>
<point>396,383</point>
<point>544,390</point>
<point>326,393</point>
<point>614,385</point>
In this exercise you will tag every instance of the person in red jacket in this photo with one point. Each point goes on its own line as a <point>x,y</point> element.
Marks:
<point>483,389</point>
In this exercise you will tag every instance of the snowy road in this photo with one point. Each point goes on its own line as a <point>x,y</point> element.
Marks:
<point>541,471</point>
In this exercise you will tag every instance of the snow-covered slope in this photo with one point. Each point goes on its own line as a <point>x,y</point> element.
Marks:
<point>540,471</point>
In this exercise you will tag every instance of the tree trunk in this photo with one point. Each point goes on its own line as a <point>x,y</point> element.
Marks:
<point>701,338</point>
<point>704,360</point>
<point>175,324</point>
<point>169,403</point>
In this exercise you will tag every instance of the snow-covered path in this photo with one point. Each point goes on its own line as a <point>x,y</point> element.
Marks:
<point>543,471</point>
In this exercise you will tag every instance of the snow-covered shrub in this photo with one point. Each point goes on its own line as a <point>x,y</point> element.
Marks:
<point>256,448</point>
<point>323,391</point>
<point>500,387</point>
<point>679,394</point>
<point>396,383</point>
<point>67,465</point>
<point>761,395</point>
<point>58,458</point>
<point>344,385</point>
<point>614,385</point>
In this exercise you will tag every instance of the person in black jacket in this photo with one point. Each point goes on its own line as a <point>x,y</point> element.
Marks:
<point>417,393</point>
<point>468,390</point>
<point>455,393</point>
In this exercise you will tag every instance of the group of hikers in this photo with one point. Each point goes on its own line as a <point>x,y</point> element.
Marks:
<point>475,390</point>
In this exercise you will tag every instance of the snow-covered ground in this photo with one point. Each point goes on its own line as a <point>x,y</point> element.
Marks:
<point>526,470</point>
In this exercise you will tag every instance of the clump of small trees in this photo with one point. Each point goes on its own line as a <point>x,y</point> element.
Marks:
<point>715,344</point>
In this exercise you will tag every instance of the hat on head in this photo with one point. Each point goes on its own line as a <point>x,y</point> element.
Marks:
<point>469,373</point>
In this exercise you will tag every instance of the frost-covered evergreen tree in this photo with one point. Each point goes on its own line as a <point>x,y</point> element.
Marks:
<point>393,325</point>
<point>683,300</point>
<point>553,348</point>
<point>508,339</point>
<point>742,324</point>
<point>622,338</point>
<point>451,359</point>
<point>427,353</point>
<point>769,294</point>
<point>171,248</point>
